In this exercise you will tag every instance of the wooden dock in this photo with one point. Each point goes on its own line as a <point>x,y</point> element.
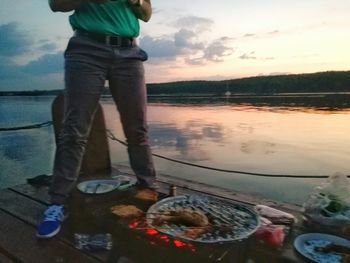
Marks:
<point>21,208</point>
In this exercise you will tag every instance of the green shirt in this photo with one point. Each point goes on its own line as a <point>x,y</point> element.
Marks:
<point>114,17</point>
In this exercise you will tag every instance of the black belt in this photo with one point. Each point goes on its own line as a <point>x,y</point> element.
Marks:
<point>108,40</point>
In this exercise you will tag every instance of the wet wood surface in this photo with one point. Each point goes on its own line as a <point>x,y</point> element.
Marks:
<point>5,259</point>
<point>21,208</point>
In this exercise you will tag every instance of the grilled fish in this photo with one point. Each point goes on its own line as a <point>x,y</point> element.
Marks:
<point>184,216</point>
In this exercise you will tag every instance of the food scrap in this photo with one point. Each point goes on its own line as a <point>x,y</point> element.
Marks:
<point>147,195</point>
<point>186,217</point>
<point>127,211</point>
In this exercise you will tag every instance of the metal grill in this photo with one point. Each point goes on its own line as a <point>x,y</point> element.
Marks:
<point>231,221</point>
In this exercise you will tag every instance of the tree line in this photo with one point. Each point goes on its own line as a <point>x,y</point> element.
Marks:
<point>331,81</point>
<point>336,81</point>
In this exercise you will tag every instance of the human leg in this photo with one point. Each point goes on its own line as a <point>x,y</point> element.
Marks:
<point>128,88</point>
<point>84,80</point>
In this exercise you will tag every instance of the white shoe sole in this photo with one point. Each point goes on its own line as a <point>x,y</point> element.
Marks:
<point>54,233</point>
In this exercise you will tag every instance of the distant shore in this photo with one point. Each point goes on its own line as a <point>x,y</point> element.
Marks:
<point>319,101</point>
<point>322,83</point>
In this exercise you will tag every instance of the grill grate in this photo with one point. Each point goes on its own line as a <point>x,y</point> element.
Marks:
<point>242,221</point>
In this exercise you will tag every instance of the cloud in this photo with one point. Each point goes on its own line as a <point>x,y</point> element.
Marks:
<point>184,41</point>
<point>13,42</point>
<point>47,47</point>
<point>47,64</point>
<point>249,35</point>
<point>194,60</point>
<point>185,44</point>
<point>16,43</point>
<point>252,55</point>
<point>262,35</point>
<point>187,39</point>
<point>217,50</point>
<point>195,23</point>
<point>171,46</point>
<point>8,70</point>
<point>160,47</point>
<point>274,32</point>
<point>248,56</point>
<point>156,10</point>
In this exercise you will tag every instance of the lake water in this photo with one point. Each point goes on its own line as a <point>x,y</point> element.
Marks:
<point>273,140</point>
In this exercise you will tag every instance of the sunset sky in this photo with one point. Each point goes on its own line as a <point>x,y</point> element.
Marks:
<point>198,39</point>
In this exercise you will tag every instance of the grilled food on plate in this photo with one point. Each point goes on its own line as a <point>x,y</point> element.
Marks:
<point>127,211</point>
<point>184,216</point>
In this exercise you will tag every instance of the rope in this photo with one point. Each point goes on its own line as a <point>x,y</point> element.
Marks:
<point>112,137</point>
<point>28,127</point>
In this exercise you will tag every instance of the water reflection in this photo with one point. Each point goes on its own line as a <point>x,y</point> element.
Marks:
<point>258,147</point>
<point>200,130</point>
<point>26,153</point>
<point>25,141</point>
<point>232,136</point>
<point>184,142</point>
<point>275,140</point>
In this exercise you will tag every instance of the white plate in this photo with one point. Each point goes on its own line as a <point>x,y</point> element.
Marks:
<point>305,244</point>
<point>98,186</point>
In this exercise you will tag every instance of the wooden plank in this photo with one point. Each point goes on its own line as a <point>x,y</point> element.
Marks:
<point>93,202</point>
<point>39,194</point>
<point>18,239</point>
<point>30,211</point>
<point>264,254</point>
<point>21,207</point>
<point>183,187</point>
<point>5,259</point>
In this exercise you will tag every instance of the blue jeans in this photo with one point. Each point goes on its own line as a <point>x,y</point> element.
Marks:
<point>87,65</point>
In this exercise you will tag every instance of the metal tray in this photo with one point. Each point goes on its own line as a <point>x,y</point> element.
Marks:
<point>244,221</point>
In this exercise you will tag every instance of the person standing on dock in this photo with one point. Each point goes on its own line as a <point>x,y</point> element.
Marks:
<point>103,48</point>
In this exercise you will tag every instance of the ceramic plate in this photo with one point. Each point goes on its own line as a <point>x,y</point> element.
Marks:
<point>307,244</point>
<point>98,186</point>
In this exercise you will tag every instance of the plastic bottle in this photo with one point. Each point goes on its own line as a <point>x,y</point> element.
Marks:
<point>172,190</point>
<point>93,242</point>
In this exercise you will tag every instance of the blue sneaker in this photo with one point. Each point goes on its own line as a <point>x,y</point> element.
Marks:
<point>51,224</point>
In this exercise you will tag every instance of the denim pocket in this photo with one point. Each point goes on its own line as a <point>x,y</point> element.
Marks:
<point>131,53</point>
<point>143,54</point>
